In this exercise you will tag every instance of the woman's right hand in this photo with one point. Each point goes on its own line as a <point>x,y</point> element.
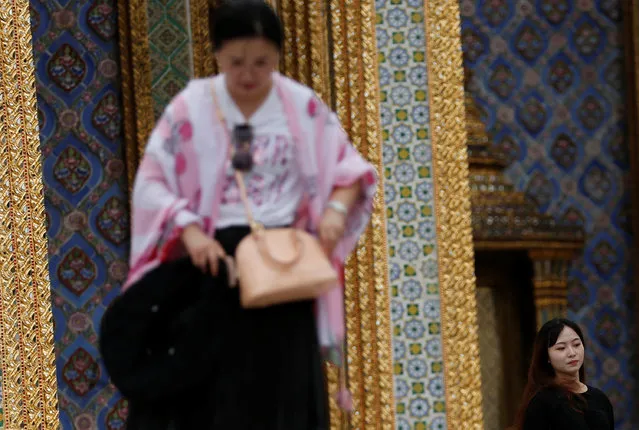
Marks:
<point>204,251</point>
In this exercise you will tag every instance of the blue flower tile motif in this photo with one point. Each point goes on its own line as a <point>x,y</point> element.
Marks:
<point>407,158</point>
<point>401,96</point>
<point>432,309</point>
<point>429,269</point>
<point>401,389</point>
<point>403,134</point>
<point>436,386</point>
<point>417,368</point>
<point>382,37</point>
<point>407,212</point>
<point>419,408</point>
<point>399,349</point>
<point>414,329</point>
<point>397,310</point>
<point>397,18</point>
<point>409,250</point>
<point>434,348</point>
<point>412,290</point>
<point>439,423</point>
<point>416,37</point>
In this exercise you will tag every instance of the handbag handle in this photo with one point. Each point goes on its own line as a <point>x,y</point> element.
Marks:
<point>257,229</point>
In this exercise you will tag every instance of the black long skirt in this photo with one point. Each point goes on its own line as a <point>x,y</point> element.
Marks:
<point>267,376</point>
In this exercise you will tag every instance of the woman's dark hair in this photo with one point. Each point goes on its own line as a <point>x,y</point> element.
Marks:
<point>541,374</point>
<point>240,19</point>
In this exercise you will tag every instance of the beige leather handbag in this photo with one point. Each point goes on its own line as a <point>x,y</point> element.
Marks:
<point>278,265</point>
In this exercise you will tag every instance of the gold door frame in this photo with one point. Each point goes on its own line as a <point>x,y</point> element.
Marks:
<point>29,383</point>
<point>452,206</point>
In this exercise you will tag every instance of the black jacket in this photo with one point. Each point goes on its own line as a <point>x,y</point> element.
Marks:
<point>157,339</point>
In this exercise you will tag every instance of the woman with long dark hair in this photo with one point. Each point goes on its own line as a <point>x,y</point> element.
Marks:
<point>556,396</point>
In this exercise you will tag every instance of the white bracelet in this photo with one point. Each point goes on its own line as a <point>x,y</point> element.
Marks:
<point>338,206</point>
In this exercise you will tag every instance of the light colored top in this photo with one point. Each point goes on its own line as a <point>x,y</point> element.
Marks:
<point>274,184</point>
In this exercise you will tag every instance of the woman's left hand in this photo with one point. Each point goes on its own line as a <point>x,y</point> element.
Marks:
<point>331,229</point>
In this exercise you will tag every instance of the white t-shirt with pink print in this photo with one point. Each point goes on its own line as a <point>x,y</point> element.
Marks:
<point>274,184</point>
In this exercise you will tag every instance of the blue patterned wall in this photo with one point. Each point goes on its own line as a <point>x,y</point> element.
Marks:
<point>76,60</point>
<point>549,77</point>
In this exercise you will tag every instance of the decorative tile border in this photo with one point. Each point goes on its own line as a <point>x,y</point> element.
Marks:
<point>434,324</point>
<point>408,170</point>
<point>169,49</point>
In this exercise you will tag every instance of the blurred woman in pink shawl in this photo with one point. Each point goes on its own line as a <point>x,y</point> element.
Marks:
<point>301,171</point>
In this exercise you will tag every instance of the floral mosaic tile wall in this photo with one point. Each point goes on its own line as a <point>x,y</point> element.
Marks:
<point>169,46</point>
<point>79,107</point>
<point>549,76</point>
<point>76,61</point>
<point>415,305</point>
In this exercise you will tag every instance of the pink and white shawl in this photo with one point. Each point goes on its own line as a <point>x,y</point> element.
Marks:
<point>180,178</point>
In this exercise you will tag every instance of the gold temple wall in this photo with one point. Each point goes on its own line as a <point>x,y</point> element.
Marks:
<point>29,384</point>
<point>452,202</point>
<point>29,389</point>
<point>354,92</point>
<point>135,70</point>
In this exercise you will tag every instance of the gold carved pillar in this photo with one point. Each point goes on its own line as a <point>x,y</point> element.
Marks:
<point>550,283</point>
<point>331,47</point>
<point>26,324</point>
<point>306,43</point>
<point>201,47</point>
<point>135,71</point>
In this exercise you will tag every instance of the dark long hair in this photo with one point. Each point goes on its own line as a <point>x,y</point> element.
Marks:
<point>541,374</point>
<point>238,19</point>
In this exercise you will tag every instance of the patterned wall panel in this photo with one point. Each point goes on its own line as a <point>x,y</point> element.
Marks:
<point>169,45</point>
<point>549,77</point>
<point>415,306</point>
<point>75,49</point>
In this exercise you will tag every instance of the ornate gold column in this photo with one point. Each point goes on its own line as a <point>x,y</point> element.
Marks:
<point>453,209</point>
<point>550,282</point>
<point>203,61</point>
<point>135,70</point>
<point>306,43</point>
<point>26,323</point>
<point>353,83</point>
<point>330,46</point>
